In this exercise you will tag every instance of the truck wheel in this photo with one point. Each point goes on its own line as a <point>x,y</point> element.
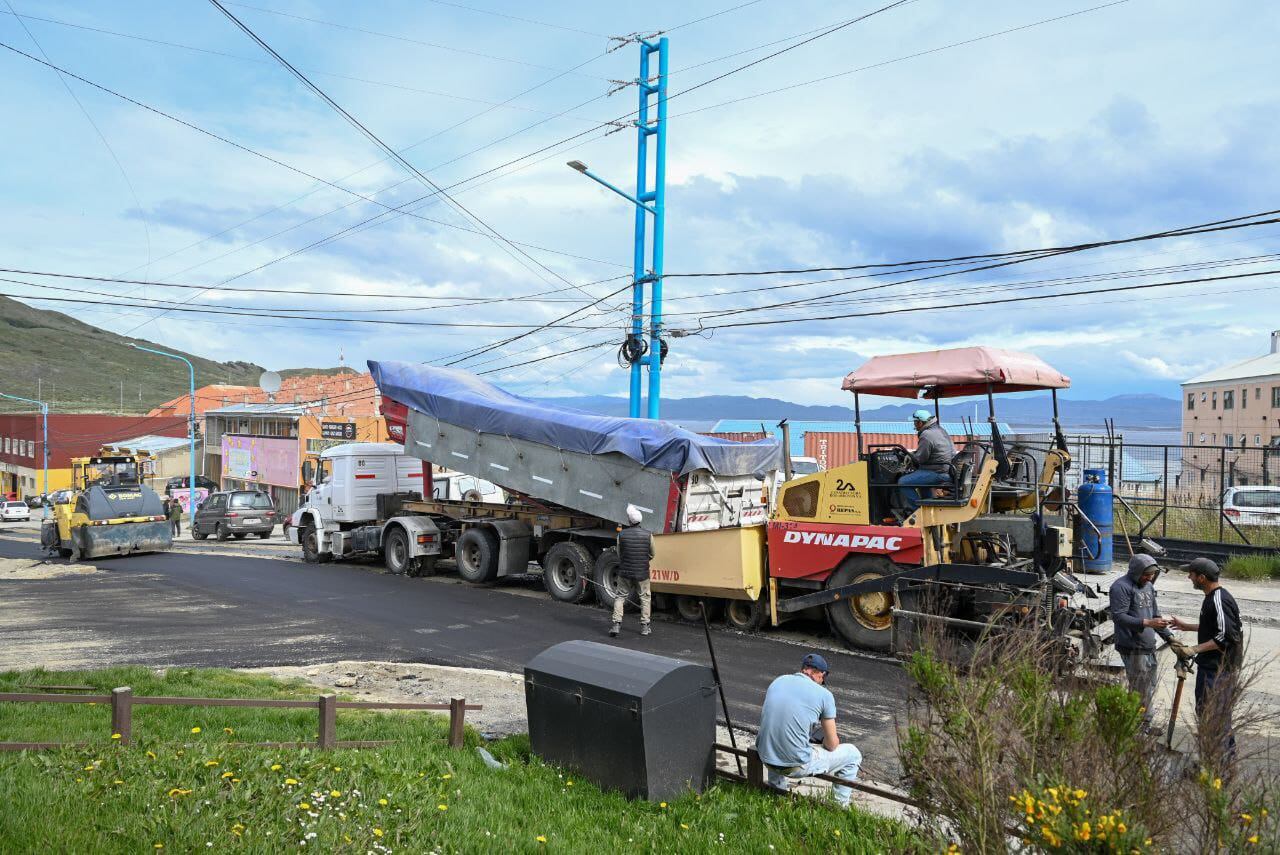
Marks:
<point>395,551</point>
<point>477,555</point>
<point>609,582</point>
<point>862,621</point>
<point>311,547</point>
<point>567,572</point>
<point>690,608</point>
<point>422,566</point>
<point>746,615</point>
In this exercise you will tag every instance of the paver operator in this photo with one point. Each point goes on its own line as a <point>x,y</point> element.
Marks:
<point>635,550</point>
<point>1137,621</point>
<point>797,708</point>
<point>932,455</point>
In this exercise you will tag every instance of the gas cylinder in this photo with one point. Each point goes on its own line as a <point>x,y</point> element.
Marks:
<point>1095,500</point>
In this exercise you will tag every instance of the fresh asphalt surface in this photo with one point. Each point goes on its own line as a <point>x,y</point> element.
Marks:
<point>196,610</point>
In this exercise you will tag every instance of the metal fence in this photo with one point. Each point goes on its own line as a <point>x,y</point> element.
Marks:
<point>1181,492</point>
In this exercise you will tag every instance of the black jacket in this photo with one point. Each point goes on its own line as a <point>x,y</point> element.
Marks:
<point>1220,622</point>
<point>635,548</point>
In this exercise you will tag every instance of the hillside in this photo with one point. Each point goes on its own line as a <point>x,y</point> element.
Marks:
<point>77,366</point>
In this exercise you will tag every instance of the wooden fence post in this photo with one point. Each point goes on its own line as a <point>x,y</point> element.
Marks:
<point>328,721</point>
<point>755,769</point>
<point>122,714</point>
<point>457,717</point>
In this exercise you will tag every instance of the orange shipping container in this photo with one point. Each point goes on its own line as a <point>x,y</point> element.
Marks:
<point>832,449</point>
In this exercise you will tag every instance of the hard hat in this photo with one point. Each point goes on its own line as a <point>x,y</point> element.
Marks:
<point>921,415</point>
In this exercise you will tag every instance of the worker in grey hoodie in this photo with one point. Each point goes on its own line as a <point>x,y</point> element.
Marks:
<point>1137,621</point>
<point>933,454</point>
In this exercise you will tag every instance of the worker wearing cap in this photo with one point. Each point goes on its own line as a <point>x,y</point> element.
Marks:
<point>933,454</point>
<point>1138,626</point>
<point>635,551</point>
<point>798,710</point>
<point>1219,648</point>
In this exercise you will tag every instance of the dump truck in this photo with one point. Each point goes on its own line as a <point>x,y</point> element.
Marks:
<point>996,545</point>
<point>109,511</point>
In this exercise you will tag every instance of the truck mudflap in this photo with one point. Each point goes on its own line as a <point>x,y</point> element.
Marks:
<point>100,541</point>
<point>965,574</point>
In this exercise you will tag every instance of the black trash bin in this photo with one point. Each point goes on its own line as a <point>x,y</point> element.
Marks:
<point>628,721</point>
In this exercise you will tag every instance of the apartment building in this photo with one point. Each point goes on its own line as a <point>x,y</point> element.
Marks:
<point>1231,423</point>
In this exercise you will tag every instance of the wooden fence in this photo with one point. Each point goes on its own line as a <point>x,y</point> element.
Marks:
<point>122,701</point>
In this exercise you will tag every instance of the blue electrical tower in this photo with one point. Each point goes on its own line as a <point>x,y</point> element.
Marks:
<point>648,202</point>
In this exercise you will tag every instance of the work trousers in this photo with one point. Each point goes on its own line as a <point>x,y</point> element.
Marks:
<point>177,525</point>
<point>919,478</point>
<point>843,763</point>
<point>1140,670</point>
<point>641,587</point>
<point>1215,690</point>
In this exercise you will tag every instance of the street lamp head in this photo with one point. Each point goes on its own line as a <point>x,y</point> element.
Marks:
<point>578,165</point>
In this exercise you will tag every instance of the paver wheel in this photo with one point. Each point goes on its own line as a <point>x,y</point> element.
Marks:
<point>567,572</point>
<point>862,621</point>
<point>746,615</point>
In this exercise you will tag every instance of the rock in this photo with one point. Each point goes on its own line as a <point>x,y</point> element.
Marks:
<point>313,673</point>
<point>344,682</point>
<point>407,677</point>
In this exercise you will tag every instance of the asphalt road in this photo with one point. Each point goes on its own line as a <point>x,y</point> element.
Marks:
<point>199,610</point>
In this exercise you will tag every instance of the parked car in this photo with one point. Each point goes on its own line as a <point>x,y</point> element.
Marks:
<point>179,482</point>
<point>35,502</point>
<point>1252,505</point>
<point>455,486</point>
<point>15,512</point>
<point>235,513</point>
<point>60,497</point>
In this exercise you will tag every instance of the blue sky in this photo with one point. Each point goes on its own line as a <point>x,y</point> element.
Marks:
<point>1128,119</point>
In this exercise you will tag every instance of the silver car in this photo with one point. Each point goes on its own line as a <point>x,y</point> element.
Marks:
<point>1252,505</point>
<point>15,512</point>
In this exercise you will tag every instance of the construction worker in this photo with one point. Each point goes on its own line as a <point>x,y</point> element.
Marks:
<point>635,550</point>
<point>1219,650</point>
<point>175,516</point>
<point>1137,624</point>
<point>933,454</point>
<point>798,711</point>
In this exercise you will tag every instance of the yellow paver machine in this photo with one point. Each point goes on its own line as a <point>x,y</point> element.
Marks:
<point>109,512</point>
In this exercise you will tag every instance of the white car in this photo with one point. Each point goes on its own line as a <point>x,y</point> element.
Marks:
<point>1252,505</point>
<point>15,512</point>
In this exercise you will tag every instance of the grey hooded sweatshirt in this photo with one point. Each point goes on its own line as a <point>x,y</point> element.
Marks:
<point>1131,603</point>
<point>934,450</point>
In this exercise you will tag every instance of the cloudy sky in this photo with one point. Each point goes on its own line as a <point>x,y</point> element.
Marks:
<point>1131,118</point>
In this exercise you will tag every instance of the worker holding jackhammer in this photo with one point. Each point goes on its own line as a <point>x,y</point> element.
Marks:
<point>1138,626</point>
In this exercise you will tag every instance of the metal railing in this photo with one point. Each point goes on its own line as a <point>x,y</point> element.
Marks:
<point>122,701</point>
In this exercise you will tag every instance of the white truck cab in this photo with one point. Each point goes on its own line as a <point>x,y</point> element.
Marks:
<point>339,517</point>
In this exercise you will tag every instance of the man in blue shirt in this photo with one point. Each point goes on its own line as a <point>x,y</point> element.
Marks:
<point>799,709</point>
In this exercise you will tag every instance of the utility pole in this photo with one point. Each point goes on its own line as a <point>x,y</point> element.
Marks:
<point>648,201</point>
<point>191,430</point>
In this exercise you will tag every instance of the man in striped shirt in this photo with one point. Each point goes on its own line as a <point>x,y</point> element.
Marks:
<point>1219,650</point>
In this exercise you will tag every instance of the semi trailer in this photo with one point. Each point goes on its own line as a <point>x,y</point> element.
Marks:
<point>995,546</point>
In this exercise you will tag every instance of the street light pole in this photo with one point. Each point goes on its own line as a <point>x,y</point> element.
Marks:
<point>44,445</point>
<point>647,202</point>
<point>191,431</point>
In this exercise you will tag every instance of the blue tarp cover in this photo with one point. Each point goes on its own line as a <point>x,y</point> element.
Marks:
<point>465,400</point>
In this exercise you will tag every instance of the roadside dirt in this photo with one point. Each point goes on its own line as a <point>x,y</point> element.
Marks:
<point>26,568</point>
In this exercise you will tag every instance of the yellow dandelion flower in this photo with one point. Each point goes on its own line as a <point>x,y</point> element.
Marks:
<point>336,794</point>
<point>1254,840</point>
<point>662,805</point>
<point>1246,818</point>
<point>541,838</point>
<point>195,730</point>
<point>685,827</point>
<point>1080,794</point>
<point>382,802</point>
<point>178,792</point>
<point>1263,812</point>
<point>347,837</point>
<point>211,763</point>
<point>117,782</point>
<point>1217,783</point>
<point>836,832</point>
<point>227,730</point>
<point>237,828</point>
<point>304,806</point>
<point>377,832</point>
<point>442,807</point>
<point>227,774</point>
<point>276,767</point>
<point>115,736</point>
<point>446,776</point>
<point>337,768</point>
<point>1122,828</point>
<point>568,783</point>
<point>291,781</point>
<point>235,780</point>
<point>158,846</point>
<point>88,768</point>
<point>151,754</point>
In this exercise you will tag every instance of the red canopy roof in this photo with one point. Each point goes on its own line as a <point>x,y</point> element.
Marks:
<point>954,373</point>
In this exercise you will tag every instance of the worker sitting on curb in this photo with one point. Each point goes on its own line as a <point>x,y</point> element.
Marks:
<point>1137,623</point>
<point>635,550</point>
<point>933,454</point>
<point>794,705</point>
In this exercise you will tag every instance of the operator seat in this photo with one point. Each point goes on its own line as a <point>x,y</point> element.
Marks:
<point>966,462</point>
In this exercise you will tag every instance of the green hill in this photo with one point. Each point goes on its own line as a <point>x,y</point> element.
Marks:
<point>78,367</point>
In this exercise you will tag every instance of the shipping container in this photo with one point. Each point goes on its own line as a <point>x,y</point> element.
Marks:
<point>838,449</point>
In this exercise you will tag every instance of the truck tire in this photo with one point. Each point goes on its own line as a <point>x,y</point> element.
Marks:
<point>689,608</point>
<point>477,555</point>
<point>746,615</point>
<point>862,622</point>
<point>395,552</point>
<point>311,547</point>
<point>609,583</point>
<point>567,572</point>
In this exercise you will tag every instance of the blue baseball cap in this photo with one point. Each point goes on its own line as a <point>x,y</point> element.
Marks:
<point>922,415</point>
<point>813,660</point>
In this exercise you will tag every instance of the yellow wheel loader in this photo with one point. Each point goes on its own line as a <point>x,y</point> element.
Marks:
<point>109,512</point>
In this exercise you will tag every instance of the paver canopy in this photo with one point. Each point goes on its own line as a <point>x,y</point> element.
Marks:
<point>954,373</point>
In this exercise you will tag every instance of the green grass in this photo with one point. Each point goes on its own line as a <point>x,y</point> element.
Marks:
<point>195,791</point>
<point>1254,567</point>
